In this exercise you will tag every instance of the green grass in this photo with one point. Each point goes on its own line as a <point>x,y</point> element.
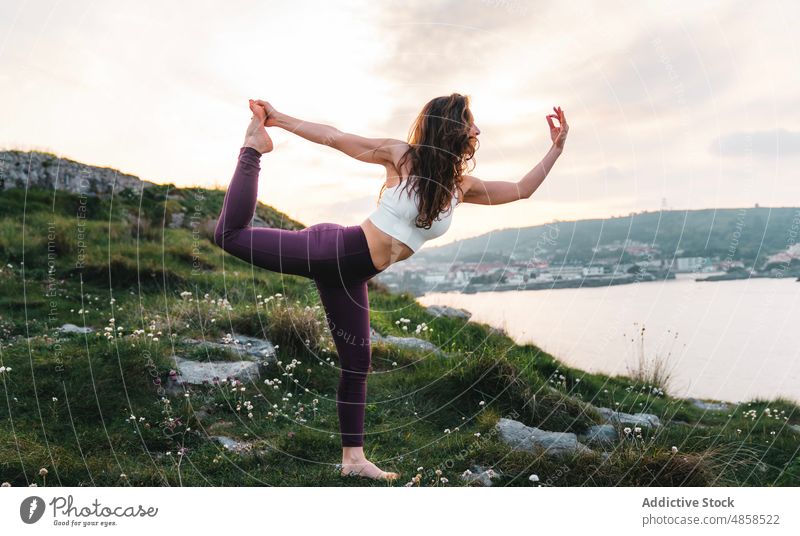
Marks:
<point>162,285</point>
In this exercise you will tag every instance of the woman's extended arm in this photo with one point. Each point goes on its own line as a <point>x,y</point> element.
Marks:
<point>372,150</point>
<point>483,192</point>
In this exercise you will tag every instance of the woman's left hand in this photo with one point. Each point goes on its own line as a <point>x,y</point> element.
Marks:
<point>558,134</point>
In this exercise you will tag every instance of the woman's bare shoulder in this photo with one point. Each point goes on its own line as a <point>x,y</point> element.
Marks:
<point>397,148</point>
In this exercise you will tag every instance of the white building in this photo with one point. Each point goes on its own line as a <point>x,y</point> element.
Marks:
<point>690,264</point>
<point>592,271</point>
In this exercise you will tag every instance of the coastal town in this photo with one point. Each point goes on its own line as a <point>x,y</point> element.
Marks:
<point>419,274</point>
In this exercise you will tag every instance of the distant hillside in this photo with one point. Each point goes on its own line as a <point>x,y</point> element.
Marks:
<point>748,234</point>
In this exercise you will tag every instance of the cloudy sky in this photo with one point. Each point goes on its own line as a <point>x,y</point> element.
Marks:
<point>691,105</point>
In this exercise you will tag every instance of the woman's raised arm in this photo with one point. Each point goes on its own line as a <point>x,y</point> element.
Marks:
<point>371,150</point>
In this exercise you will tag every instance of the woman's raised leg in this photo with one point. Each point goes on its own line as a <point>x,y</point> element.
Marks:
<point>279,250</point>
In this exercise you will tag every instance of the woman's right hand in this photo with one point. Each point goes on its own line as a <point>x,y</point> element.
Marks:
<point>558,133</point>
<point>272,113</point>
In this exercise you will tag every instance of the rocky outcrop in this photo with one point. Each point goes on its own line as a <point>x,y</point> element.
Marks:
<point>23,169</point>
<point>199,372</point>
<point>636,419</point>
<point>72,328</point>
<point>244,448</point>
<point>521,437</point>
<point>708,406</point>
<point>413,343</point>
<point>600,434</point>
<point>246,347</point>
<point>445,310</point>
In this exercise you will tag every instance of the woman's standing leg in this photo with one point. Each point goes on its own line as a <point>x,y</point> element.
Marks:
<point>347,315</point>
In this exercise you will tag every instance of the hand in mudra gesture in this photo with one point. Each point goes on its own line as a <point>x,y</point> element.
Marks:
<point>558,133</point>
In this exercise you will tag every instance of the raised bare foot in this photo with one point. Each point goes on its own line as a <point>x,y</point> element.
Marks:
<point>256,136</point>
<point>366,469</point>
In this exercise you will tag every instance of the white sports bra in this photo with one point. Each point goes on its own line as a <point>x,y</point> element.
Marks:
<point>396,215</point>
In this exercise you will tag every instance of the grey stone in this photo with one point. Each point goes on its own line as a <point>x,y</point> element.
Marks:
<point>709,406</point>
<point>445,310</point>
<point>413,343</point>
<point>196,372</point>
<point>239,447</point>
<point>531,439</point>
<point>636,419</point>
<point>795,427</point>
<point>247,347</point>
<point>176,220</point>
<point>72,328</point>
<point>600,434</point>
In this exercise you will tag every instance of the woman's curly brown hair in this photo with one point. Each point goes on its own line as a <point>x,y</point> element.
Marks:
<point>439,150</point>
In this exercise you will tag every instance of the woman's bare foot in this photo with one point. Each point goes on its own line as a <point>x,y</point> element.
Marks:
<point>256,136</point>
<point>356,464</point>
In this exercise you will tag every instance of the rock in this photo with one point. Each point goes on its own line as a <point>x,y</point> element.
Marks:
<point>477,475</point>
<point>72,328</point>
<point>600,434</point>
<point>708,406</point>
<point>34,169</point>
<point>197,372</point>
<point>497,331</point>
<point>637,419</point>
<point>246,347</point>
<point>444,310</point>
<point>176,220</point>
<point>521,437</point>
<point>239,447</point>
<point>413,343</point>
<point>795,427</point>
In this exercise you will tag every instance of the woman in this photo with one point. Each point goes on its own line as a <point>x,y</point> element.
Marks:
<point>342,259</point>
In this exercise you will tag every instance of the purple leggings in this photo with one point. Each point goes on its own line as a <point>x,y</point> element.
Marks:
<point>337,259</point>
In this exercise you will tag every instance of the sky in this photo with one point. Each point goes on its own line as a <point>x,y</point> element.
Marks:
<point>678,105</point>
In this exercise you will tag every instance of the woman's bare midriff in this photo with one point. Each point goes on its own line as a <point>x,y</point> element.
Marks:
<point>384,249</point>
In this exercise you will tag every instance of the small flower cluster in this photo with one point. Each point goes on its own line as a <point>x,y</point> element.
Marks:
<point>112,330</point>
<point>3,370</point>
<point>558,379</point>
<point>637,432</point>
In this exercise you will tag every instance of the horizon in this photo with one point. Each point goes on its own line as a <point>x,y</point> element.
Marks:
<point>688,106</point>
<point>429,244</point>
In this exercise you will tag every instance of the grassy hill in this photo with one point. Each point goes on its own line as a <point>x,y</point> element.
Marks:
<point>94,408</point>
